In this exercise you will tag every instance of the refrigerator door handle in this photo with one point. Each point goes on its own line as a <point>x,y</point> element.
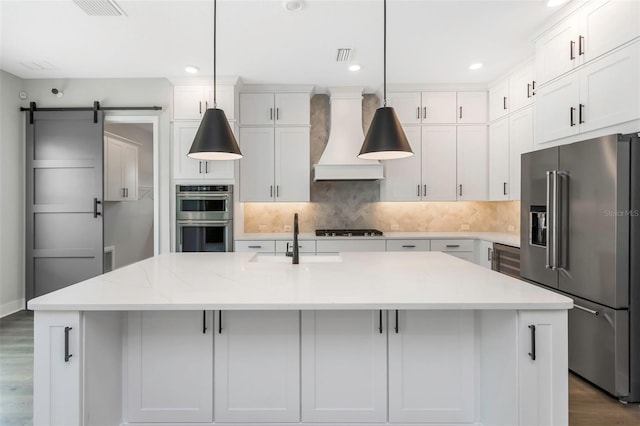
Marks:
<point>548,263</point>
<point>582,308</point>
<point>556,203</point>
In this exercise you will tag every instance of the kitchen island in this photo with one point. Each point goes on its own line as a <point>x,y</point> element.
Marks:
<point>237,338</point>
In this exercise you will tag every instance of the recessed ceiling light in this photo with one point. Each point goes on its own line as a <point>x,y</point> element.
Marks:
<point>293,5</point>
<point>554,3</point>
<point>475,66</point>
<point>192,69</point>
<point>354,67</point>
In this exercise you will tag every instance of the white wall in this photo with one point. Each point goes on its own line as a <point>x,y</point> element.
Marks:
<point>11,195</point>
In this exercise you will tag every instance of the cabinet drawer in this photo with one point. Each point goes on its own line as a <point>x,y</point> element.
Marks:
<point>337,246</point>
<point>452,245</point>
<point>408,245</point>
<point>259,246</point>
<point>307,246</point>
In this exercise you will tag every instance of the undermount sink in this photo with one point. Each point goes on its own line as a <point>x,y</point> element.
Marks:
<point>303,259</point>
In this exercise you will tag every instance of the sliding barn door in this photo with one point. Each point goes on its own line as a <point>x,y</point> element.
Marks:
<point>64,241</point>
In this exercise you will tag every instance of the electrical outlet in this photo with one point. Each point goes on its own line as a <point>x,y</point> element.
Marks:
<point>262,228</point>
<point>395,227</point>
<point>511,228</point>
<point>287,228</point>
<point>465,226</point>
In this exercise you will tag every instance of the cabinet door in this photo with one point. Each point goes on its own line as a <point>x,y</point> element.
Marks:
<point>472,107</point>
<point>257,166</point>
<point>499,100</point>
<point>431,366</point>
<point>439,163</point>
<point>543,381</point>
<point>130,171</point>
<point>557,51</point>
<point>520,142</point>
<point>188,102</point>
<point>472,163</point>
<point>257,109</point>
<point>406,106</point>
<point>439,107</point>
<point>557,109</point>
<point>607,24</point>
<point>402,180</point>
<point>521,87</point>
<point>331,245</point>
<point>610,89</point>
<point>183,166</point>
<point>292,164</point>
<point>169,367</point>
<point>257,366</point>
<point>408,245</point>
<point>113,159</point>
<point>57,378</point>
<point>344,366</point>
<point>484,253</point>
<point>499,184</point>
<point>225,99</point>
<point>292,109</point>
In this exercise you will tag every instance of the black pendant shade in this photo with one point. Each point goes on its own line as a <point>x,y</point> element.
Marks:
<point>385,139</point>
<point>214,140</point>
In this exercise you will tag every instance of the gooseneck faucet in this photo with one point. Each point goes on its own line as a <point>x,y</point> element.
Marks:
<point>295,253</point>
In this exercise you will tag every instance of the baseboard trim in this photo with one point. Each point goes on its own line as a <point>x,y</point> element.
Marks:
<point>11,307</point>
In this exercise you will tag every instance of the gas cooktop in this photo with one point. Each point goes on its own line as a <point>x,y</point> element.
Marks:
<point>348,232</point>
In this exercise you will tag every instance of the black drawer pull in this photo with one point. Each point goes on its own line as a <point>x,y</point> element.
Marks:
<point>256,247</point>
<point>453,245</point>
<point>408,246</point>
<point>67,355</point>
<point>532,354</point>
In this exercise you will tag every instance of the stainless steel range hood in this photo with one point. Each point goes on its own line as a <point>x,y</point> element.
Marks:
<point>339,160</point>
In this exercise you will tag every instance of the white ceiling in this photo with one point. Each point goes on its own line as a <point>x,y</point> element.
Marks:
<point>261,42</point>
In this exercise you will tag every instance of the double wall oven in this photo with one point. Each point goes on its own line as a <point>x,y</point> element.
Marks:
<point>204,218</point>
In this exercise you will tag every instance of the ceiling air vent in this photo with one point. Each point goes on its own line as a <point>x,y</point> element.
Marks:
<point>38,65</point>
<point>344,54</point>
<point>100,7</point>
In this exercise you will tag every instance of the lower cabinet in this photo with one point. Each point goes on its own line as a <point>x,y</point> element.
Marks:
<point>257,366</point>
<point>344,366</point>
<point>168,367</point>
<point>431,366</point>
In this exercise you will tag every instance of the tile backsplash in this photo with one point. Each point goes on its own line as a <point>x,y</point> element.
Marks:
<point>356,204</point>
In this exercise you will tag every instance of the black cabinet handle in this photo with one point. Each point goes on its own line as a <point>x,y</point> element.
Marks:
<point>461,190</point>
<point>571,111</point>
<point>67,355</point>
<point>504,102</point>
<point>504,188</point>
<point>96,213</point>
<point>528,90</point>
<point>460,112</point>
<point>453,245</point>
<point>270,113</point>
<point>424,112</point>
<point>580,113</point>
<point>204,322</point>
<point>397,328</point>
<point>256,247</point>
<point>572,45</point>
<point>219,322</point>
<point>532,354</point>
<point>380,322</point>
<point>408,246</point>
<point>580,45</point>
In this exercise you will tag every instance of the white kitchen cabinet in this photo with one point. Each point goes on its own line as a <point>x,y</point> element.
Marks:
<point>498,100</point>
<point>275,166</point>
<point>179,344</point>
<point>556,50</point>
<point>522,86</point>
<point>403,177</point>
<point>439,163</point>
<point>191,102</point>
<point>257,366</point>
<point>484,253</point>
<point>332,245</point>
<point>282,109</point>
<point>462,249</point>
<point>472,158</point>
<point>424,107</point>
<point>520,142</point>
<point>499,183</point>
<point>431,367</point>
<point>188,168</point>
<point>594,97</point>
<point>542,368</point>
<point>344,366</point>
<point>409,245</point>
<point>472,107</point>
<point>257,246</point>
<point>121,170</point>
<point>57,372</point>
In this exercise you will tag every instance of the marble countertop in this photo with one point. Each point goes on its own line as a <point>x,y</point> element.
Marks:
<point>246,281</point>
<point>497,237</point>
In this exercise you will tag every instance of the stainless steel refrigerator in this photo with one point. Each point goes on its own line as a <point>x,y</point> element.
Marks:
<point>580,221</point>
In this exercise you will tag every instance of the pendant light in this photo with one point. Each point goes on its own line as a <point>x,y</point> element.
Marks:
<point>214,139</point>
<point>385,139</point>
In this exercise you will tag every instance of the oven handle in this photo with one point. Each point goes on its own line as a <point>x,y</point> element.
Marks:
<point>192,196</point>
<point>203,222</point>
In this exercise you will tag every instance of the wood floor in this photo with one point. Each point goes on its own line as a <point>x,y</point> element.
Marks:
<point>588,406</point>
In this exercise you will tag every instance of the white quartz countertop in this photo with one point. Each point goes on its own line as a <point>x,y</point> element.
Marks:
<point>246,281</point>
<point>498,237</point>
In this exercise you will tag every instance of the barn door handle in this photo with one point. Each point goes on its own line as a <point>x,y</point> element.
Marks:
<point>67,355</point>
<point>96,213</point>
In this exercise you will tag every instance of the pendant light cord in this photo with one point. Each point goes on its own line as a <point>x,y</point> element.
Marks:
<point>384,61</point>
<point>215,103</point>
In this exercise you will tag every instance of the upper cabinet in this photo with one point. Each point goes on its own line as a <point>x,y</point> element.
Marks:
<point>594,30</point>
<point>188,168</point>
<point>439,107</point>
<point>280,109</point>
<point>190,102</point>
<point>514,92</point>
